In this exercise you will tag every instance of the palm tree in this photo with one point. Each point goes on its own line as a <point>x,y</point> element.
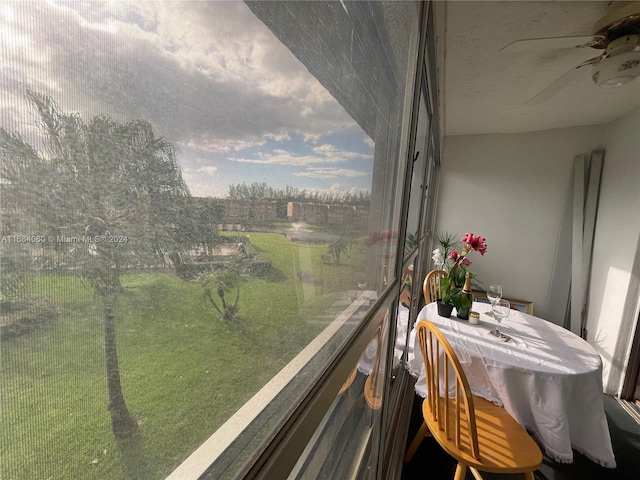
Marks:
<point>113,188</point>
<point>336,248</point>
<point>223,281</point>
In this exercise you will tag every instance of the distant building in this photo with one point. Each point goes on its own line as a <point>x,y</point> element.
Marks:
<point>315,213</point>
<point>236,212</point>
<point>342,215</point>
<point>249,210</point>
<point>319,214</point>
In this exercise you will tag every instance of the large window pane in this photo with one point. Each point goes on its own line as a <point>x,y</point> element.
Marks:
<point>347,440</point>
<point>418,175</point>
<point>199,206</point>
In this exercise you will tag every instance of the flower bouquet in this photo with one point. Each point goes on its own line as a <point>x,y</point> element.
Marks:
<point>455,264</point>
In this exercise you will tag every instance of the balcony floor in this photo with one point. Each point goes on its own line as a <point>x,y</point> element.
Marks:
<point>431,462</point>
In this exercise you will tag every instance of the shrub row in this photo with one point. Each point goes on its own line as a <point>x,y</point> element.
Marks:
<point>24,315</point>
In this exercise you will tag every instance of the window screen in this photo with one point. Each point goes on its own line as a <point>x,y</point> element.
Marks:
<point>192,195</point>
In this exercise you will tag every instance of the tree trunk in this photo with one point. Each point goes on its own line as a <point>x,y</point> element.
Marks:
<point>123,423</point>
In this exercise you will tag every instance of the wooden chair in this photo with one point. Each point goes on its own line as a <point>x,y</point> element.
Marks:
<point>349,381</point>
<point>431,286</point>
<point>480,435</point>
<point>407,282</point>
<point>373,386</point>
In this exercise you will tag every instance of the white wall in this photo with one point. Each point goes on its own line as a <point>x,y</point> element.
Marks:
<point>512,189</point>
<point>614,295</point>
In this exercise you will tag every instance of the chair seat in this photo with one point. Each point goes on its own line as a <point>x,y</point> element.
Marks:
<point>505,447</point>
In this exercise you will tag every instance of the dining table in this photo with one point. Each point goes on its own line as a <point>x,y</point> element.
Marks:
<point>546,377</point>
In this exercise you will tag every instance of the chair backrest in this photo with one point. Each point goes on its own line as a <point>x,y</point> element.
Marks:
<point>449,399</point>
<point>407,282</point>
<point>373,386</point>
<point>431,285</point>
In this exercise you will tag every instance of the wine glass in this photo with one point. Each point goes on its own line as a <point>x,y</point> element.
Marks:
<point>362,284</point>
<point>501,310</point>
<point>494,294</point>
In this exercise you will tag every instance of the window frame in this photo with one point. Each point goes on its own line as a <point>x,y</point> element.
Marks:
<point>280,456</point>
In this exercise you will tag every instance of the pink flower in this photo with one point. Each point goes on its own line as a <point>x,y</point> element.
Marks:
<point>465,262</point>
<point>453,255</point>
<point>479,244</point>
<point>467,239</point>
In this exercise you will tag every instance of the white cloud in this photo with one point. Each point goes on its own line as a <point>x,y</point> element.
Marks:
<point>369,141</point>
<point>326,154</point>
<point>209,76</point>
<point>208,169</point>
<point>313,172</point>
<point>205,189</point>
<point>331,151</point>
<point>286,158</point>
<point>195,69</point>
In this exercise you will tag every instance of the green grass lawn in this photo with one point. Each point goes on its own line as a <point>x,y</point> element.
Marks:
<point>184,372</point>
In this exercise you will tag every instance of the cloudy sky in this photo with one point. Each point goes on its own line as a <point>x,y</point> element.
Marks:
<point>209,76</point>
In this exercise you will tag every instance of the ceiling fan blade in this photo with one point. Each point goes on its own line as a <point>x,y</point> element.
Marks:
<point>555,86</point>
<point>534,44</point>
<point>592,61</point>
<point>618,17</point>
<point>562,81</point>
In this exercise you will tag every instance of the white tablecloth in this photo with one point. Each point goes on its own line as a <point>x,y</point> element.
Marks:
<point>365,365</point>
<point>547,378</point>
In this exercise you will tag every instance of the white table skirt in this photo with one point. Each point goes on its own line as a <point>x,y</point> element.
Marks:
<point>365,365</point>
<point>547,378</point>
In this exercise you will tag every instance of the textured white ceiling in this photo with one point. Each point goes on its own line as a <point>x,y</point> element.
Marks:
<point>486,91</point>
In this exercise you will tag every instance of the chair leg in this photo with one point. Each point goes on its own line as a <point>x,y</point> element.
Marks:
<point>461,471</point>
<point>528,476</point>
<point>476,473</point>
<point>415,443</point>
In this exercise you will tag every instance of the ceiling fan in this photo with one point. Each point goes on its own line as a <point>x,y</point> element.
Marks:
<point>617,34</point>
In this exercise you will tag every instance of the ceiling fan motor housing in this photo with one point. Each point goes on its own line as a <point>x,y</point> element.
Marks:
<point>620,63</point>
